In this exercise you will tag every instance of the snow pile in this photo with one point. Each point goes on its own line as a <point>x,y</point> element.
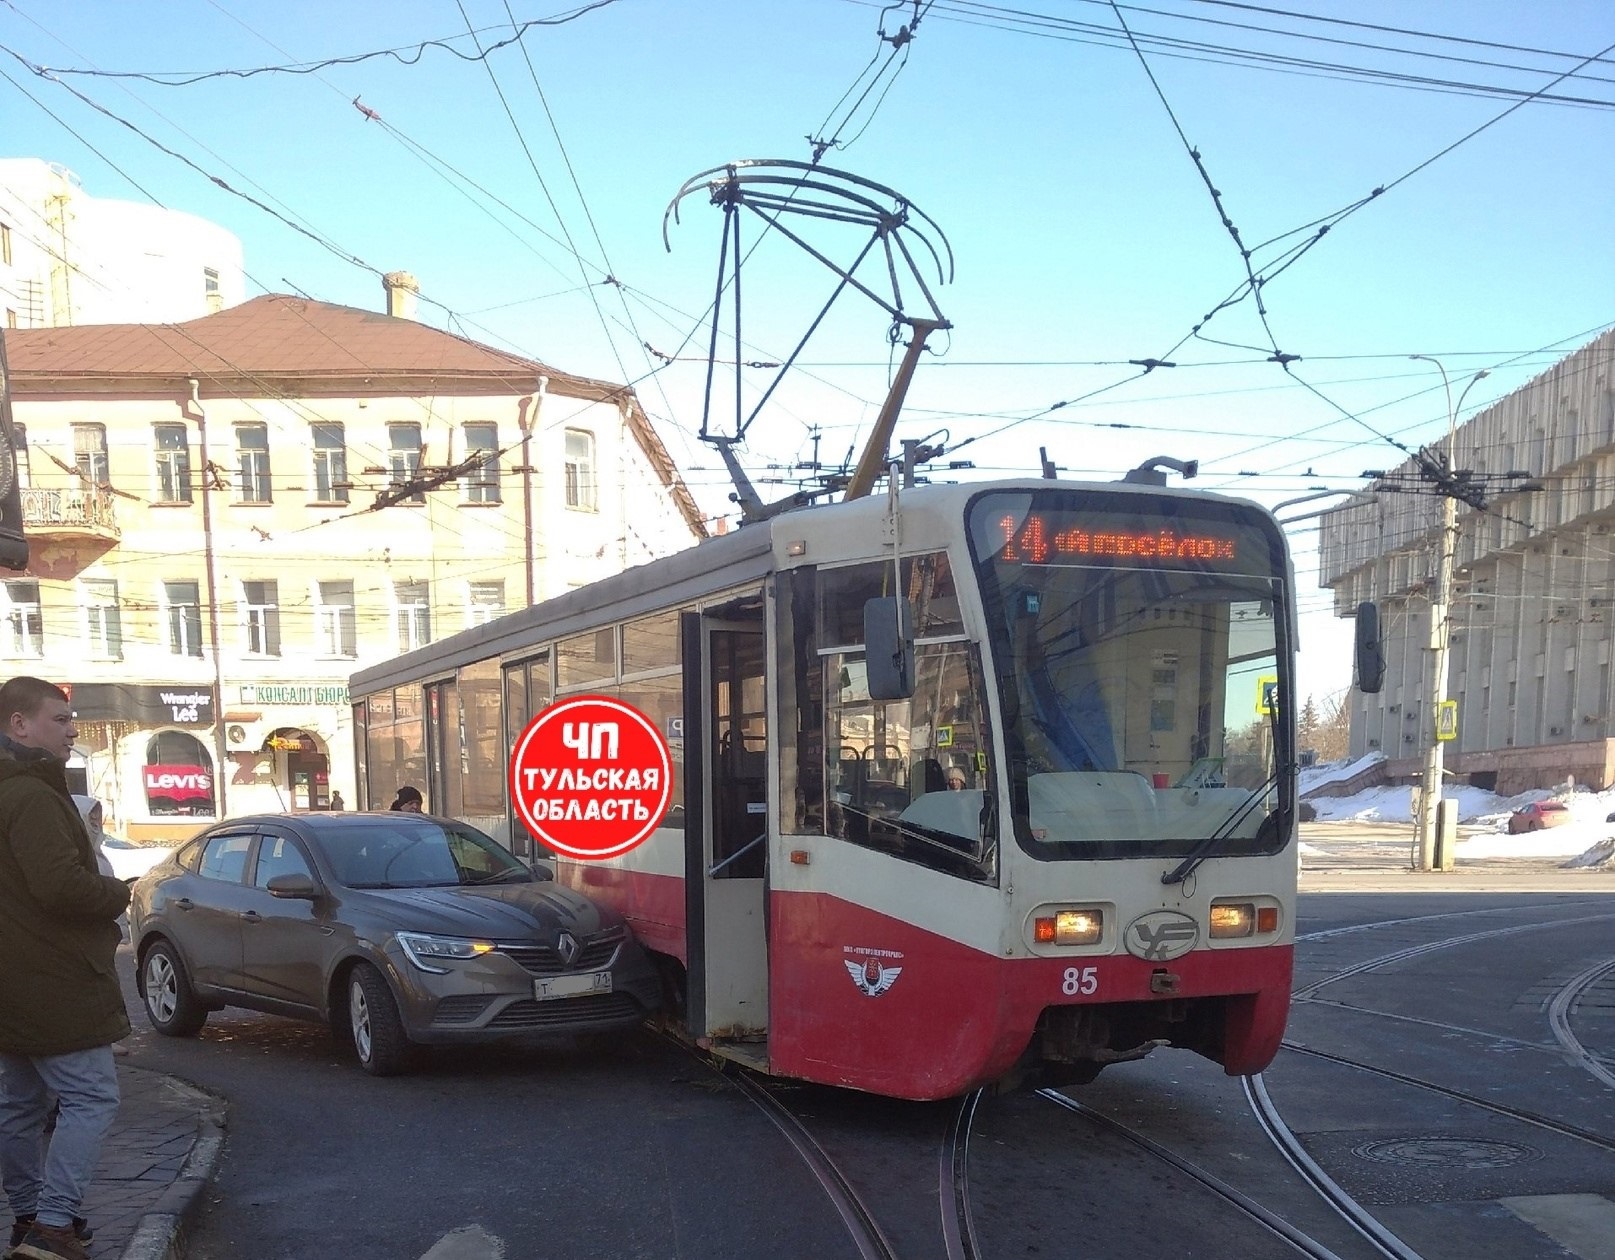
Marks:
<point>1588,839</point>
<point>1315,777</point>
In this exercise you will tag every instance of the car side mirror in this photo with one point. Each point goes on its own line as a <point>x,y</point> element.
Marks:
<point>541,871</point>
<point>889,648</point>
<point>293,886</point>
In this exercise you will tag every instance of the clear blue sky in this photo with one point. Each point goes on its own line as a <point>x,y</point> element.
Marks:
<point>1082,231</point>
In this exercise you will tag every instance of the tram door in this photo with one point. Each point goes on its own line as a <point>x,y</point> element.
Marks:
<point>726,832</point>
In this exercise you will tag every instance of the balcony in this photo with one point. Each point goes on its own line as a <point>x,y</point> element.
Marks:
<point>75,512</point>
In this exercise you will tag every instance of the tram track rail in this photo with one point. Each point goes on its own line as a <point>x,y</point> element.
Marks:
<point>1289,1145</point>
<point>1303,1243</point>
<point>953,1183</point>
<point>1559,1020</point>
<point>855,1214</point>
<point>1306,991</point>
<point>1546,1123</point>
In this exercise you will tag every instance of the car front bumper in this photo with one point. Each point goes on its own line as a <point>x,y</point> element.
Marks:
<point>493,998</point>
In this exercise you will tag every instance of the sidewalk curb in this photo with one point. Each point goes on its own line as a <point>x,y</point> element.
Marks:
<point>160,1235</point>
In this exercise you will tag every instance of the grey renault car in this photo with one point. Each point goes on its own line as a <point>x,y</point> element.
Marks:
<point>397,929</point>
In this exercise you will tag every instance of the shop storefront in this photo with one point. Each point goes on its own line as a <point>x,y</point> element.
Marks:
<point>148,755</point>
<point>292,745</point>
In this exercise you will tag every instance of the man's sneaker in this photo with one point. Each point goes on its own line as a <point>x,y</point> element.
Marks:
<point>50,1242</point>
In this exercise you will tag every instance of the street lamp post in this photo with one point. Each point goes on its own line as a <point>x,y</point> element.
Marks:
<point>1440,603</point>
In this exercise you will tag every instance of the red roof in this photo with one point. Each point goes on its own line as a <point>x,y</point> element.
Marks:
<point>274,335</point>
<point>282,346</point>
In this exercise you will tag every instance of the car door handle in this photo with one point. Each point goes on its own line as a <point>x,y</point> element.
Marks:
<point>184,903</point>
<point>252,916</point>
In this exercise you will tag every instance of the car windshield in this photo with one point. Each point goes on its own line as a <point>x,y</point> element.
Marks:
<point>417,853</point>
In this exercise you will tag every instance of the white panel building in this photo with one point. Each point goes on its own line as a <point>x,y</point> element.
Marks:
<point>1531,617</point>
<point>67,258</point>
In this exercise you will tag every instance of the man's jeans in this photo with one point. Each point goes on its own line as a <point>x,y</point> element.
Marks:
<point>85,1083</point>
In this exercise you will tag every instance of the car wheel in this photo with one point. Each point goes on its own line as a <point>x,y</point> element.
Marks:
<point>1534,825</point>
<point>379,1041</point>
<point>172,1008</point>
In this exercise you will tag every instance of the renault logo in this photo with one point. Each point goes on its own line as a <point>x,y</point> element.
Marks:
<point>566,945</point>
<point>1161,935</point>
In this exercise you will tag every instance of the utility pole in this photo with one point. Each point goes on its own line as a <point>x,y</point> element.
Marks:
<point>1440,605</point>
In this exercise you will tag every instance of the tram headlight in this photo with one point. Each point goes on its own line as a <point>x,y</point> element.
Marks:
<point>1081,926</point>
<point>1233,918</point>
<point>1242,918</point>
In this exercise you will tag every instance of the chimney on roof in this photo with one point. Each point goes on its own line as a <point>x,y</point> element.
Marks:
<point>402,291</point>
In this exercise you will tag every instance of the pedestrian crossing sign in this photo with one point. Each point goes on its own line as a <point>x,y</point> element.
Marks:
<point>1447,720</point>
<point>1267,696</point>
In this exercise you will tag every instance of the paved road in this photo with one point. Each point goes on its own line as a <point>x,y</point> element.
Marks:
<point>640,1151</point>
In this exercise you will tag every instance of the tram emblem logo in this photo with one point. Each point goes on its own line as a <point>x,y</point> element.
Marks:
<point>871,978</point>
<point>1161,935</point>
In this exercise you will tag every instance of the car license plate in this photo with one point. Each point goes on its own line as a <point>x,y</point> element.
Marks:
<point>571,986</point>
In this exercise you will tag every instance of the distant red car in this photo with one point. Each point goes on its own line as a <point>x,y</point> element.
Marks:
<point>1537,815</point>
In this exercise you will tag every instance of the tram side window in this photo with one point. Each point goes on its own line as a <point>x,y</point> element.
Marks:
<point>527,692</point>
<point>661,699</point>
<point>395,744</point>
<point>481,767</point>
<point>911,777</point>
<point>927,581</point>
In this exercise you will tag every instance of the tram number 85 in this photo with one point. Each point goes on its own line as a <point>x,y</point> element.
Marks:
<point>1080,981</point>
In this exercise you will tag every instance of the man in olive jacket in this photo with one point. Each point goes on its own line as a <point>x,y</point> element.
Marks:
<point>61,1007</point>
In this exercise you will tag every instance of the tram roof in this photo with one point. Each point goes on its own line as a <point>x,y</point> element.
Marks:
<point>713,565</point>
<point>708,568</point>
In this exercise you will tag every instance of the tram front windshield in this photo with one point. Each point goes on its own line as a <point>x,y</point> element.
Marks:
<point>1141,657</point>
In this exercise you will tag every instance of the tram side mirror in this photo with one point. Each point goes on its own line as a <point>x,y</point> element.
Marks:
<point>889,648</point>
<point>1370,653</point>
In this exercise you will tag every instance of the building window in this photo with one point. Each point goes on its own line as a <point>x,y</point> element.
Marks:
<point>414,613</point>
<point>210,290</point>
<point>260,618</point>
<point>486,601</point>
<point>580,490</point>
<point>173,463</point>
<point>25,470</point>
<point>90,453</point>
<point>252,452</point>
<point>334,620</point>
<point>184,606</point>
<point>24,628</point>
<point>5,243</point>
<point>482,482</point>
<point>102,620</point>
<point>330,464</point>
<point>405,458</point>
<point>179,779</point>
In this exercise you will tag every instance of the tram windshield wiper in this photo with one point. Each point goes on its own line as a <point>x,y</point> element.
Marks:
<point>1209,846</point>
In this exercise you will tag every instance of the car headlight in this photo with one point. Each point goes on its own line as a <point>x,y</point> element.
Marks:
<point>419,947</point>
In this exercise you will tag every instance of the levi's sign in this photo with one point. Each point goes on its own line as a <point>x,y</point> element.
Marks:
<point>591,777</point>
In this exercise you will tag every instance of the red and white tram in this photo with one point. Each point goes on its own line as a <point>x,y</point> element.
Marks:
<point>1046,824</point>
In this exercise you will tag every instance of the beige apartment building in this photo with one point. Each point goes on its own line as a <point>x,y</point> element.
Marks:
<point>228,516</point>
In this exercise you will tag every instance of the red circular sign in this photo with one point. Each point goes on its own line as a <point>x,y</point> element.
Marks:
<point>591,777</point>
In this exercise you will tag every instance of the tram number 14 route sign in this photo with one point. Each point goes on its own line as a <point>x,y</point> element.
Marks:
<point>591,777</point>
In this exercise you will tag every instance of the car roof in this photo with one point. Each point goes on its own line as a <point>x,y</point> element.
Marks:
<point>314,823</point>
